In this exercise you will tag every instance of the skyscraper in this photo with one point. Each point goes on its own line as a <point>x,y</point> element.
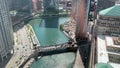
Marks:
<point>6,30</point>
<point>37,5</point>
<point>51,6</point>
<point>80,11</point>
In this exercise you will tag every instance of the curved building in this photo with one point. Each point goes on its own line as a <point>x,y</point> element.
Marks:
<point>108,21</point>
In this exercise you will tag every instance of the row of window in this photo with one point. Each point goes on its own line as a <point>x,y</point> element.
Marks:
<point>115,24</point>
<point>108,33</point>
<point>109,18</point>
<point>113,58</point>
<point>111,30</point>
<point>117,50</point>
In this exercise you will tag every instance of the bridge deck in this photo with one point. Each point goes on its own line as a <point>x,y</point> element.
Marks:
<point>55,47</point>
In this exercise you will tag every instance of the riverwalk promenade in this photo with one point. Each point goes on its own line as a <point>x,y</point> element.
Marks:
<point>23,47</point>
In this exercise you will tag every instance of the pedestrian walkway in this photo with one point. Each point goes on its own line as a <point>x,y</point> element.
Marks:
<point>22,48</point>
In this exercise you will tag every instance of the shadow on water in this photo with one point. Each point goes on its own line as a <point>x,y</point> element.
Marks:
<point>84,49</point>
<point>57,52</point>
<point>48,22</point>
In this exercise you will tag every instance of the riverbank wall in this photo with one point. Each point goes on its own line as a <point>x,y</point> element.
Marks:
<point>32,35</point>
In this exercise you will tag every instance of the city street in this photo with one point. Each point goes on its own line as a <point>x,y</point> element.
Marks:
<point>22,48</point>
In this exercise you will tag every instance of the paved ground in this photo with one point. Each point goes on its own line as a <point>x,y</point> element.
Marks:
<point>22,47</point>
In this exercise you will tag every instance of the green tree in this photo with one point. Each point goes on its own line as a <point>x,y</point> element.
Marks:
<point>61,27</point>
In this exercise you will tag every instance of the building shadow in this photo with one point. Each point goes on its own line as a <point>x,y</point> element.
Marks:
<point>5,61</point>
<point>84,49</point>
<point>51,22</point>
<point>18,27</point>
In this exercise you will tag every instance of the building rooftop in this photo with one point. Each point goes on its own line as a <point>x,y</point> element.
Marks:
<point>102,51</point>
<point>112,11</point>
<point>110,41</point>
<point>103,42</point>
<point>103,65</point>
<point>114,65</point>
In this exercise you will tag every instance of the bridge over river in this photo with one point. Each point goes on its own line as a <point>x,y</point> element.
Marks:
<point>42,49</point>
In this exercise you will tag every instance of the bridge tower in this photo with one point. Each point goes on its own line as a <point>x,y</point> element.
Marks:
<point>51,6</point>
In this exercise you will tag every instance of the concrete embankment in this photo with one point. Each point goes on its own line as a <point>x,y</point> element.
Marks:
<point>66,34</point>
<point>32,35</point>
<point>34,40</point>
<point>27,65</point>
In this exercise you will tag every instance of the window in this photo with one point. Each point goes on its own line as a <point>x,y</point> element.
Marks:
<point>111,19</point>
<point>117,19</point>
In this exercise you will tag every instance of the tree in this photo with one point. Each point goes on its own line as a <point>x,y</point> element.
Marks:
<point>61,27</point>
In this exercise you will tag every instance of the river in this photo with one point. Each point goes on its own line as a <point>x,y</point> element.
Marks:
<point>48,33</point>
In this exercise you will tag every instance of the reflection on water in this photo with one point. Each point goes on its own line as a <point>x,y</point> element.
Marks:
<point>52,22</point>
<point>48,32</point>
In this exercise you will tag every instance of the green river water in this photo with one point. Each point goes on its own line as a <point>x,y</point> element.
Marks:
<point>48,33</point>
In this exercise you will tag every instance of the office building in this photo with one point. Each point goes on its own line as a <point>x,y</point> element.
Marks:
<point>108,21</point>
<point>108,51</point>
<point>6,30</point>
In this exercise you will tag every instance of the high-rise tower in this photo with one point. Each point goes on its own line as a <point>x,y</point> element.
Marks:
<point>51,6</point>
<point>6,30</point>
<point>80,14</point>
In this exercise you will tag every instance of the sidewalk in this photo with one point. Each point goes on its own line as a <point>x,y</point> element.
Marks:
<point>21,48</point>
